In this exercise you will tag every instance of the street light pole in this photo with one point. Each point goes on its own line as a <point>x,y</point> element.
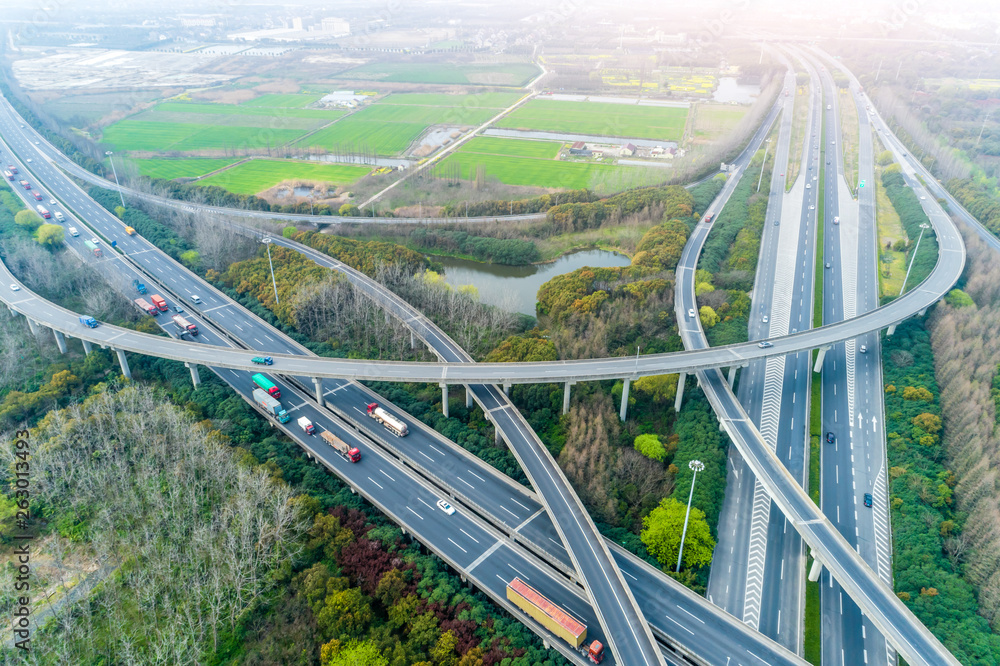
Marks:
<point>761,177</point>
<point>114,171</point>
<point>695,466</point>
<point>267,244</point>
<point>914,256</point>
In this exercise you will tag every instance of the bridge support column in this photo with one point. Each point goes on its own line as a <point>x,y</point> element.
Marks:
<point>922,312</point>
<point>892,329</point>
<point>13,312</point>
<point>87,347</point>
<point>468,397</point>
<point>506,390</point>
<point>32,326</point>
<point>60,341</point>
<point>122,361</point>
<point>413,340</point>
<point>566,397</point>
<point>680,391</point>
<point>815,570</point>
<point>818,366</point>
<point>318,383</point>
<point>195,376</point>
<point>497,437</point>
<point>444,399</point>
<point>623,411</point>
<point>732,376</point>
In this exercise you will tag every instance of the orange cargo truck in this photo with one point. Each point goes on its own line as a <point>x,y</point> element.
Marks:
<point>553,618</point>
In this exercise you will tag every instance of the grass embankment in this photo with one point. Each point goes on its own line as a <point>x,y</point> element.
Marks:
<point>890,230</point>
<point>800,113</point>
<point>183,168</point>
<point>258,175</point>
<point>849,136</point>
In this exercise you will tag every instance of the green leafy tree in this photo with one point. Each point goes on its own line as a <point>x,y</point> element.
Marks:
<point>885,158</point>
<point>661,532</point>
<point>522,348</point>
<point>650,446</point>
<point>191,258</point>
<point>349,210</point>
<point>662,388</point>
<point>364,653</point>
<point>120,212</point>
<point>28,219</point>
<point>50,235</point>
<point>289,231</point>
<point>345,614</point>
<point>957,298</point>
<point>708,316</point>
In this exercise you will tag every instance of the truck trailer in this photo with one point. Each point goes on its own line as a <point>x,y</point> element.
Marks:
<point>187,327</point>
<point>146,307</point>
<point>271,406</point>
<point>266,384</point>
<point>346,451</point>
<point>96,251</point>
<point>394,425</point>
<point>553,618</point>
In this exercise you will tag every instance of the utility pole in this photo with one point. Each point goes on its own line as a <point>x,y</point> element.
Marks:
<point>267,244</point>
<point>695,466</point>
<point>761,177</point>
<point>111,159</point>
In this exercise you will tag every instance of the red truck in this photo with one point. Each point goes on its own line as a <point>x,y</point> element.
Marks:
<point>44,212</point>
<point>185,326</point>
<point>11,168</point>
<point>159,302</point>
<point>25,184</point>
<point>8,175</point>
<point>346,451</point>
<point>144,305</point>
<point>37,195</point>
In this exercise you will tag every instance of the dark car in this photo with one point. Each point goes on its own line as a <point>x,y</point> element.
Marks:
<point>830,438</point>
<point>868,499</point>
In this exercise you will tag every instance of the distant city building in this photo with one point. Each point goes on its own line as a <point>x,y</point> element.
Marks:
<point>335,26</point>
<point>678,39</point>
<point>197,22</point>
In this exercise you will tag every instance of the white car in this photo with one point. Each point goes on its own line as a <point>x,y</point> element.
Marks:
<point>808,186</point>
<point>196,299</point>
<point>95,240</point>
<point>811,207</point>
<point>764,320</point>
<point>14,287</point>
<point>923,198</point>
<point>444,506</point>
<point>73,231</point>
<point>52,202</point>
<point>836,220</point>
<point>864,349</point>
<point>691,313</point>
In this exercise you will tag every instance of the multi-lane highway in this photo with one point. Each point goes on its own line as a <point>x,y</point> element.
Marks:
<point>679,608</point>
<point>913,642</point>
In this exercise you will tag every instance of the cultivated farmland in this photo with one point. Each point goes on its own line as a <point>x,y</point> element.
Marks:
<point>258,175</point>
<point>599,118</point>
<point>288,101</point>
<point>369,136</point>
<point>511,74</point>
<point>488,145</point>
<point>180,168</point>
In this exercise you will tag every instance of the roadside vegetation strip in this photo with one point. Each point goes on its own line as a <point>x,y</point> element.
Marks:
<point>800,114</point>
<point>180,168</point>
<point>714,121</point>
<point>599,118</point>
<point>891,243</point>
<point>488,145</point>
<point>849,136</point>
<point>812,640</point>
<point>508,74</point>
<point>258,175</point>
<point>378,137</point>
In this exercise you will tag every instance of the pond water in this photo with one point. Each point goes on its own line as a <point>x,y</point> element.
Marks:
<point>730,90</point>
<point>515,288</point>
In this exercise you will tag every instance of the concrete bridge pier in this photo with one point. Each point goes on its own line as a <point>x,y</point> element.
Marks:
<point>60,341</point>
<point>623,411</point>
<point>565,409</point>
<point>468,397</point>
<point>87,347</point>
<point>506,390</point>
<point>892,329</point>
<point>413,340</point>
<point>318,384</point>
<point>818,366</point>
<point>816,569</point>
<point>195,377</point>
<point>32,326</point>
<point>732,376</point>
<point>680,392</point>
<point>444,399</point>
<point>123,362</point>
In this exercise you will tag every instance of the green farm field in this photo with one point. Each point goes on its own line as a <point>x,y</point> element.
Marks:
<point>488,145</point>
<point>533,172</point>
<point>512,74</point>
<point>378,136</point>
<point>599,118</point>
<point>182,168</point>
<point>266,113</point>
<point>258,175</point>
<point>486,100</point>
<point>132,135</point>
<point>291,101</point>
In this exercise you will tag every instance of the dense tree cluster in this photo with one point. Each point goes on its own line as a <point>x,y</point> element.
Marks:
<point>980,198</point>
<point>508,251</point>
<point>365,256</point>
<point>155,232</point>
<point>675,201</point>
<point>538,204</point>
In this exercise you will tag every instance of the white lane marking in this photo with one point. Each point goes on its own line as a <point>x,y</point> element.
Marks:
<point>679,624</point>
<point>414,513</point>
<point>457,546</point>
<point>468,535</point>
<point>376,483</point>
<point>389,477</point>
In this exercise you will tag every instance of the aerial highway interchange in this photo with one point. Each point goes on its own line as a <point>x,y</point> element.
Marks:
<point>598,571</point>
